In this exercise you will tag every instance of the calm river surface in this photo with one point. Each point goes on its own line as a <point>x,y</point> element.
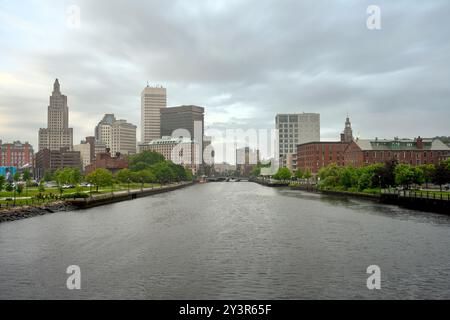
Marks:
<point>228,241</point>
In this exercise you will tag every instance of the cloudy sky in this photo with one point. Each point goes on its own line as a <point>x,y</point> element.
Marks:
<point>244,61</point>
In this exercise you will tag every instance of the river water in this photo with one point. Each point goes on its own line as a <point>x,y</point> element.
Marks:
<point>228,241</point>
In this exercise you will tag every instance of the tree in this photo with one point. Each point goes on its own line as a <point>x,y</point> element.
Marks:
<point>307,175</point>
<point>76,176</point>
<point>9,187</point>
<point>68,176</point>
<point>123,175</point>
<point>330,175</point>
<point>41,187</point>
<point>428,173</point>
<point>136,176</point>
<point>2,182</point>
<point>386,173</point>
<point>61,176</point>
<point>348,177</point>
<point>147,176</point>
<point>163,172</point>
<point>447,163</point>
<point>16,176</point>
<point>60,189</point>
<point>364,180</point>
<point>442,174</point>
<point>299,174</point>
<point>178,170</point>
<point>48,176</point>
<point>419,176</point>
<point>256,171</point>
<point>144,160</point>
<point>26,175</point>
<point>283,174</point>
<point>100,178</point>
<point>19,189</point>
<point>404,175</point>
<point>189,175</point>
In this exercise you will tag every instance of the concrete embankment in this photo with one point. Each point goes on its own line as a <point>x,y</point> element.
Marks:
<point>274,184</point>
<point>23,212</point>
<point>107,198</point>
<point>435,205</point>
<point>428,204</point>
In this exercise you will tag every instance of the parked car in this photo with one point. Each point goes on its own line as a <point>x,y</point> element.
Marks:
<point>51,184</point>
<point>85,184</point>
<point>447,187</point>
<point>68,186</point>
<point>34,183</point>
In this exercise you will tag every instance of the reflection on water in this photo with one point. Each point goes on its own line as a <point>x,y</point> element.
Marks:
<point>231,241</point>
<point>372,207</point>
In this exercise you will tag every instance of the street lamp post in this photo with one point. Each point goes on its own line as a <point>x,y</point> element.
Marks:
<point>15,187</point>
<point>128,180</point>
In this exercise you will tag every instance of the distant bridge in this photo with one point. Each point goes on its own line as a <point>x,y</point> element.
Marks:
<point>226,179</point>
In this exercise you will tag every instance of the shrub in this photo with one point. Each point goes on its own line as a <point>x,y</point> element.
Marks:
<point>75,195</point>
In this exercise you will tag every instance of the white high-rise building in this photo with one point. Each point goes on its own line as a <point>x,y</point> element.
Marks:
<point>85,152</point>
<point>294,129</point>
<point>57,135</point>
<point>152,100</point>
<point>117,135</point>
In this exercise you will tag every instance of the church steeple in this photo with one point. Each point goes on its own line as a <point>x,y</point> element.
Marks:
<point>347,136</point>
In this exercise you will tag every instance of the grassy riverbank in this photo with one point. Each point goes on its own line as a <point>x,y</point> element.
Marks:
<point>104,196</point>
<point>32,195</point>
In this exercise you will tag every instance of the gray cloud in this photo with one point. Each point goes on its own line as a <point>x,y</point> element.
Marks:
<point>245,61</point>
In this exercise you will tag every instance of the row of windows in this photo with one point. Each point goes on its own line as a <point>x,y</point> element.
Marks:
<point>404,154</point>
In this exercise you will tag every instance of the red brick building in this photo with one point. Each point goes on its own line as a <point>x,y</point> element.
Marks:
<point>51,160</point>
<point>104,160</point>
<point>16,154</point>
<point>361,152</point>
<point>409,151</point>
<point>315,155</point>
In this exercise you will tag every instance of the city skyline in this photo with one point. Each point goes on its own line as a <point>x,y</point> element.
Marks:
<point>230,158</point>
<point>391,83</point>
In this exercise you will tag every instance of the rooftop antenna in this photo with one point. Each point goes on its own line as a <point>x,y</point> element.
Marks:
<point>147,83</point>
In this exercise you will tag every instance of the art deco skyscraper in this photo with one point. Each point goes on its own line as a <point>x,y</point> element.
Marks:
<point>152,100</point>
<point>57,135</point>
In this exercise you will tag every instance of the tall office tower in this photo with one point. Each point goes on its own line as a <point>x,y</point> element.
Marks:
<point>152,100</point>
<point>189,118</point>
<point>182,117</point>
<point>296,129</point>
<point>57,135</point>
<point>118,135</point>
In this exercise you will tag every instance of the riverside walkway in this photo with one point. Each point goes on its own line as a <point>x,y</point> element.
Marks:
<point>123,195</point>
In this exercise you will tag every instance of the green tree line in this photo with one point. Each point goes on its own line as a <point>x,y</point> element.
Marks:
<point>383,175</point>
<point>144,167</point>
